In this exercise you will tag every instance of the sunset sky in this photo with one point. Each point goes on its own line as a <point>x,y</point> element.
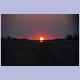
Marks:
<point>32,26</point>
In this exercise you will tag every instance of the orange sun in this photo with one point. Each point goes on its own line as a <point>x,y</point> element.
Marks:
<point>41,39</point>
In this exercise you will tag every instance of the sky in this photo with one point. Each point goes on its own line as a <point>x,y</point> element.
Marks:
<point>34,26</point>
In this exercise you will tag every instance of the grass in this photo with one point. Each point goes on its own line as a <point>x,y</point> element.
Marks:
<point>19,53</point>
<point>27,52</point>
<point>70,45</point>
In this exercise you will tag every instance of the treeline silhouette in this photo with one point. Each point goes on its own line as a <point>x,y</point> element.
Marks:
<point>11,38</point>
<point>72,37</point>
<point>68,37</point>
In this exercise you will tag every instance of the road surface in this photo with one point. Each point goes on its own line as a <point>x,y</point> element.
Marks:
<point>52,55</point>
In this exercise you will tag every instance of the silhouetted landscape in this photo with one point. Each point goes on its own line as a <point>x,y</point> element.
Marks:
<point>40,40</point>
<point>24,52</point>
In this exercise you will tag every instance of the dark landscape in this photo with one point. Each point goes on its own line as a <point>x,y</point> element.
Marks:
<point>39,39</point>
<point>19,52</point>
<point>22,52</point>
<point>55,55</point>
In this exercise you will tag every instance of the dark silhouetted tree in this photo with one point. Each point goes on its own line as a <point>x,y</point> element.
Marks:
<point>69,37</point>
<point>8,37</point>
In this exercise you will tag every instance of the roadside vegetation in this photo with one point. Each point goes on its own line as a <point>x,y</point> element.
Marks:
<point>71,43</point>
<point>19,52</point>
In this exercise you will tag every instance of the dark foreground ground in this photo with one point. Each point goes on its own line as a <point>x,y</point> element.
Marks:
<point>36,53</point>
<point>54,55</point>
<point>20,53</point>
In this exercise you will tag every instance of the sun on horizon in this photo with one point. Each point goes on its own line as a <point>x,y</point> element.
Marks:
<point>41,39</point>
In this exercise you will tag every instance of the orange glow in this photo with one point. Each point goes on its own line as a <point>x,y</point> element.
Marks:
<point>41,39</point>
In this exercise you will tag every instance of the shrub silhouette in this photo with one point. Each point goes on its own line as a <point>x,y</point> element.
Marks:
<point>72,37</point>
<point>8,37</point>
